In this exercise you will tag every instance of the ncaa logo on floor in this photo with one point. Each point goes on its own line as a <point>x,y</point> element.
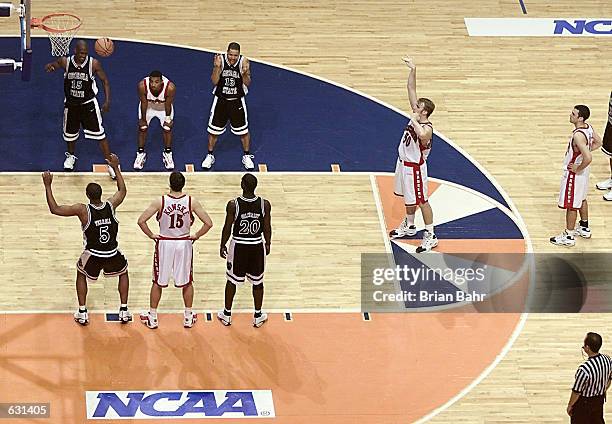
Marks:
<point>179,404</point>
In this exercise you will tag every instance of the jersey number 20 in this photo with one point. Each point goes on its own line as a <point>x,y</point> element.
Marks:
<point>249,227</point>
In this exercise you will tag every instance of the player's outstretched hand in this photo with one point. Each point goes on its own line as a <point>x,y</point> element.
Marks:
<point>114,161</point>
<point>49,67</point>
<point>217,61</point>
<point>267,249</point>
<point>223,252</point>
<point>105,107</point>
<point>47,178</point>
<point>409,62</point>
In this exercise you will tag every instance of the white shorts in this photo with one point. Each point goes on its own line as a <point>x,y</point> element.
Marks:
<point>574,190</point>
<point>156,111</point>
<point>411,183</point>
<point>173,259</point>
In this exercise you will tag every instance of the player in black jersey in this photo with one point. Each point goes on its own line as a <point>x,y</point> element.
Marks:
<point>249,223</point>
<point>231,76</point>
<point>100,228</point>
<point>80,104</point>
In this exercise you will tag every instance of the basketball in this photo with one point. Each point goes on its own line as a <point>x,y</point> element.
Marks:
<point>104,47</point>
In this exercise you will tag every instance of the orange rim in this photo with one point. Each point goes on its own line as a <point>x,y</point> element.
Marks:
<point>41,23</point>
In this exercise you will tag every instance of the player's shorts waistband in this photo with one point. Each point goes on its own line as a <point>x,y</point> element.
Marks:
<point>411,164</point>
<point>173,238</point>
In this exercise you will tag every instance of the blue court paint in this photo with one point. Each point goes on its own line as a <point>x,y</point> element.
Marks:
<point>297,123</point>
<point>523,8</point>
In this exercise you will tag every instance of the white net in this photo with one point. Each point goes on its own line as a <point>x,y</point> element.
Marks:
<point>61,29</point>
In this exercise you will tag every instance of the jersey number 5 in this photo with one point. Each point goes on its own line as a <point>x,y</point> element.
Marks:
<point>104,235</point>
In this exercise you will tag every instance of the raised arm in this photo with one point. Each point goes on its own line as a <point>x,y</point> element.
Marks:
<point>78,209</point>
<point>217,67</point>
<point>230,212</point>
<point>118,197</point>
<point>199,211</point>
<point>97,70</point>
<point>61,62</point>
<point>153,208</point>
<point>411,85</point>
<point>267,225</point>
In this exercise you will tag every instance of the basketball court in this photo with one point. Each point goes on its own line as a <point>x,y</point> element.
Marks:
<point>326,110</point>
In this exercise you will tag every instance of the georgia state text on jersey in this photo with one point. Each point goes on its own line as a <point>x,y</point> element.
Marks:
<point>175,216</point>
<point>248,221</point>
<point>410,148</point>
<point>100,232</point>
<point>79,82</point>
<point>230,85</point>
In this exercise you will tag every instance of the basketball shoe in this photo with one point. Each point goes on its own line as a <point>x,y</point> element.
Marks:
<point>259,321</point>
<point>225,319</point>
<point>148,320</point>
<point>403,230</point>
<point>208,161</point>
<point>584,232</point>
<point>604,185</point>
<point>608,196</point>
<point>429,242</point>
<point>111,172</point>
<point>167,159</point>
<point>141,158</point>
<point>81,317</point>
<point>69,162</point>
<point>124,316</point>
<point>189,319</point>
<point>564,239</point>
<point>247,161</point>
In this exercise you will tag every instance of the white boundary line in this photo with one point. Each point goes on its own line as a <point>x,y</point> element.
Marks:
<point>517,217</point>
<point>198,310</point>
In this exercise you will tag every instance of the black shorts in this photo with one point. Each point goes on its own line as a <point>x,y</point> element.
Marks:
<point>88,116</point>
<point>91,265</point>
<point>246,261</point>
<point>588,410</point>
<point>607,139</point>
<point>223,110</point>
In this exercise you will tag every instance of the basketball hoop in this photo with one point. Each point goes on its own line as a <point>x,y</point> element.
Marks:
<point>61,28</point>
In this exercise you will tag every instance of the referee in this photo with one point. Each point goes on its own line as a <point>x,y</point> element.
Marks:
<point>592,381</point>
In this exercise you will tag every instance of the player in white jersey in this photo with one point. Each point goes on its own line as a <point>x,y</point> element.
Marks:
<point>411,167</point>
<point>156,94</point>
<point>575,180</point>
<point>173,257</point>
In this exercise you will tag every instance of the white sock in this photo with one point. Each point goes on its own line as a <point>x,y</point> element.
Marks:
<point>153,313</point>
<point>430,228</point>
<point>410,220</point>
<point>569,233</point>
<point>188,311</point>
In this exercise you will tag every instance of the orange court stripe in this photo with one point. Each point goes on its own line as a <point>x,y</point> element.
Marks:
<point>189,167</point>
<point>335,167</point>
<point>263,167</point>
<point>98,167</point>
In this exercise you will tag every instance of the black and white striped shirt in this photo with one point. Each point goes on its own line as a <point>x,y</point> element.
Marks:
<point>593,376</point>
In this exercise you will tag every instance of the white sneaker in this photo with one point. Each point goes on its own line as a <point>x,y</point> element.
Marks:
<point>208,161</point>
<point>81,317</point>
<point>429,242</point>
<point>111,172</point>
<point>167,159</point>
<point>141,158</point>
<point>563,239</point>
<point>604,185</point>
<point>258,322</point>
<point>124,316</point>
<point>189,319</point>
<point>247,161</point>
<point>608,196</point>
<point>584,232</point>
<point>225,320</point>
<point>69,162</point>
<point>148,320</point>
<point>403,230</point>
